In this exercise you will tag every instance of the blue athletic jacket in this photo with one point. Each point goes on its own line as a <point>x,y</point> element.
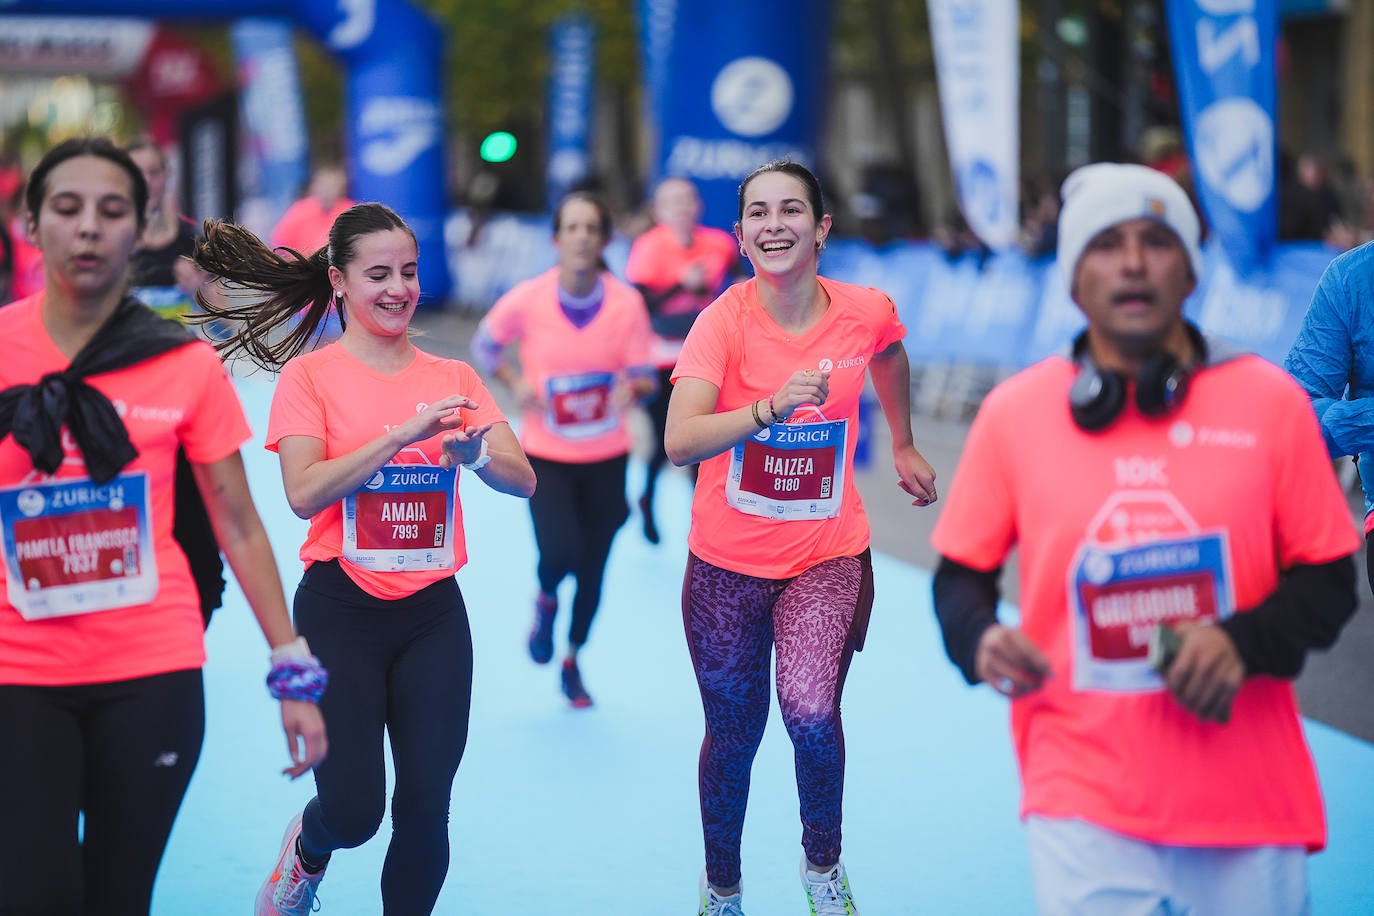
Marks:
<point>1333,358</point>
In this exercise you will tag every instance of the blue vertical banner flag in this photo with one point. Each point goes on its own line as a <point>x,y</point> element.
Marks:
<point>1224,58</point>
<point>742,85</point>
<point>656,21</point>
<point>572,58</point>
<point>977,69</point>
<point>272,132</point>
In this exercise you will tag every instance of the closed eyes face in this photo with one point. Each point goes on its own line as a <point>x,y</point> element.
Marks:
<point>380,284</point>
<point>87,226</point>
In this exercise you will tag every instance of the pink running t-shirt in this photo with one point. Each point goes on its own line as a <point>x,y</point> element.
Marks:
<point>575,369</point>
<point>331,395</point>
<point>1191,515</point>
<point>784,499</point>
<point>180,398</point>
<point>657,261</point>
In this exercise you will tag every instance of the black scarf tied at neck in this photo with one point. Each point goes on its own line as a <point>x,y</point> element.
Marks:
<point>36,413</point>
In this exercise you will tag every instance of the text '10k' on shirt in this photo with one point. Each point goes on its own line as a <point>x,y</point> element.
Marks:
<point>1188,516</point>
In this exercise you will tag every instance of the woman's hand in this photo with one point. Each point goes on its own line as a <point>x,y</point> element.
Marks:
<point>463,446</point>
<point>439,417</point>
<point>305,737</point>
<point>527,396</point>
<point>806,386</point>
<point>915,476</point>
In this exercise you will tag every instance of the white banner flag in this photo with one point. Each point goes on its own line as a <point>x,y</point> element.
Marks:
<point>976,67</point>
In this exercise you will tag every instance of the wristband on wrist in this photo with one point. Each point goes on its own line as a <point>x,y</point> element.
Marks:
<point>773,411</point>
<point>482,460</point>
<point>757,419</point>
<point>296,674</point>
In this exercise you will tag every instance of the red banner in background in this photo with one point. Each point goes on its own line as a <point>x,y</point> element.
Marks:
<point>175,74</point>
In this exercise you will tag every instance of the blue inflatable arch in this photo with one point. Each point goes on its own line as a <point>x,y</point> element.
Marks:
<point>393,56</point>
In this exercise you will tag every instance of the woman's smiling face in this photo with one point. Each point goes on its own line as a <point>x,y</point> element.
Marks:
<point>379,285</point>
<point>779,228</point>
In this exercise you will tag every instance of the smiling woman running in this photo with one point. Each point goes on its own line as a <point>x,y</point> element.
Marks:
<point>766,397</point>
<point>371,432</point>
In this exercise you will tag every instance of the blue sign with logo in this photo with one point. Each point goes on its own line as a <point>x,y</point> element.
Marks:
<point>393,54</point>
<point>1223,52</point>
<point>741,86</point>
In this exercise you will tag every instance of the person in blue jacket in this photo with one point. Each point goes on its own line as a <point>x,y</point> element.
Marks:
<point>1333,359</point>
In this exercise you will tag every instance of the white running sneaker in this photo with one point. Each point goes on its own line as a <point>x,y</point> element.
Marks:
<point>829,893</point>
<point>713,904</point>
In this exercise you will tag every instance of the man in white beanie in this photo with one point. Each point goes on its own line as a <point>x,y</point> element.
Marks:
<point>1183,544</point>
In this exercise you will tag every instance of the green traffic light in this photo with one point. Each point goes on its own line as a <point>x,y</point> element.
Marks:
<point>498,147</point>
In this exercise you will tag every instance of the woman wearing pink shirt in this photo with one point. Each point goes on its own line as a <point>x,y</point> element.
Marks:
<point>371,432</point>
<point>584,350</point>
<point>102,702</point>
<point>766,398</point>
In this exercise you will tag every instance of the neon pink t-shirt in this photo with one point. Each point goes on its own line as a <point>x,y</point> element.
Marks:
<point>657,260</point>
<point>575,369</point>
<point>784,500</point>
<point>1192,515</point>
<point>181,398</point>
<point>331,395</point>
<point>305,225</point>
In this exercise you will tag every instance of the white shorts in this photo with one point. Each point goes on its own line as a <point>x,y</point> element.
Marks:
<point>1080,869</point>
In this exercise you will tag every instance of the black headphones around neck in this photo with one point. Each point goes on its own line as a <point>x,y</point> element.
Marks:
<point>1098,395</point>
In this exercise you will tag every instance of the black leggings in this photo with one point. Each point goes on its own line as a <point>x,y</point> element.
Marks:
<point>402,668</point>
<point>657,409</point>
<point>122,754</point>
<point>577,509</point>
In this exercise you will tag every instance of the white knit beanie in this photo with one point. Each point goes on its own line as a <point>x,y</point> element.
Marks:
<point>1098,196</point>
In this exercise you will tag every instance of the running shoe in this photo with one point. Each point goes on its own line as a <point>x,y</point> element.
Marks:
<point>829,893</point>
<point>572,685</point>
<point>713,904</point>
<point>291,890</point>
<point>541,634</point>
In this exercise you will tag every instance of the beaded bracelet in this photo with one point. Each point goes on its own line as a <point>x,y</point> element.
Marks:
<point>773,411</point>
<point>757,419</point>
<point>298,679</point>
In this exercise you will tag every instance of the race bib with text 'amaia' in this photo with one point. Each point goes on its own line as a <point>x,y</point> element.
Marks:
<point>402,519</point>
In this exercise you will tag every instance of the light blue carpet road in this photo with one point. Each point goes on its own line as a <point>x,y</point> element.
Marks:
<point>559,812</point>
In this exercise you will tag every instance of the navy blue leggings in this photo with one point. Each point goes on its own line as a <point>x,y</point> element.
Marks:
<point>577,509</point>
<point>120,753</point>
<point>402,668</point>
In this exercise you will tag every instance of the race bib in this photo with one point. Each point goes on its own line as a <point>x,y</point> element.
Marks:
<point>1119,594</point>
<point>791,471</point>
<point>580,405</point>
<point>72,547</point>
<point>402,519</point>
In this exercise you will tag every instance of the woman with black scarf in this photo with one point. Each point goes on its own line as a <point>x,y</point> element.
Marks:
<point>101,640</point>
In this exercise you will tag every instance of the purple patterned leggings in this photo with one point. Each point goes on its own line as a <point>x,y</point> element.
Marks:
<point>733,621</point>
